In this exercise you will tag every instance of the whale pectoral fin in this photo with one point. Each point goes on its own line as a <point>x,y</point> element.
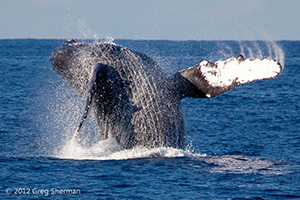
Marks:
<point>97,74</point>
<point>207,79</point>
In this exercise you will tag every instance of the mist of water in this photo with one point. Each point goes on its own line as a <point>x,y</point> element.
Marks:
<point>252,50</point>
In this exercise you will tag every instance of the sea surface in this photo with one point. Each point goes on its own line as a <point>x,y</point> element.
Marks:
<point>243,144</point>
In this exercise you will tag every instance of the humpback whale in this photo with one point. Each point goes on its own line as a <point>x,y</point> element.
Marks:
<point>131,98</point>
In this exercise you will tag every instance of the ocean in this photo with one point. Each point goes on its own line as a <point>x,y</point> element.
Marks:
<point>243,144</point>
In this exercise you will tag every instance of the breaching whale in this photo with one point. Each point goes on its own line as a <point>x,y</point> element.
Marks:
<point>132,99</point>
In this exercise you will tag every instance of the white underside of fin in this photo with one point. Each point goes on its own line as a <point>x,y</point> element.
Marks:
<point>233,70</point>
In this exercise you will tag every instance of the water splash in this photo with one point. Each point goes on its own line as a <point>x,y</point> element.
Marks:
<point>109,149</point>
<point>84,30</point>
<point>279,54</point>
<point>64,107</point>
<point>109,39</point>
<point>250,49</point>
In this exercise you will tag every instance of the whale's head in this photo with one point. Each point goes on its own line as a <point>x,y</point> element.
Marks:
<point>62,56</point>
<point>71,62</point>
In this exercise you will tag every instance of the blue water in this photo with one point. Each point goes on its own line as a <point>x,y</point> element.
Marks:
<point>243,144</point>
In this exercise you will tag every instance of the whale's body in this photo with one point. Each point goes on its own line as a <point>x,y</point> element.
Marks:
<point>133,100</point>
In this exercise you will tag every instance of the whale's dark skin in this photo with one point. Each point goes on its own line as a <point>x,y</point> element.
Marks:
<point>132,99</point>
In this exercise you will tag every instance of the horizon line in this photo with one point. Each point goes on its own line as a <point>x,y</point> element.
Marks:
<point>171,40</point>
